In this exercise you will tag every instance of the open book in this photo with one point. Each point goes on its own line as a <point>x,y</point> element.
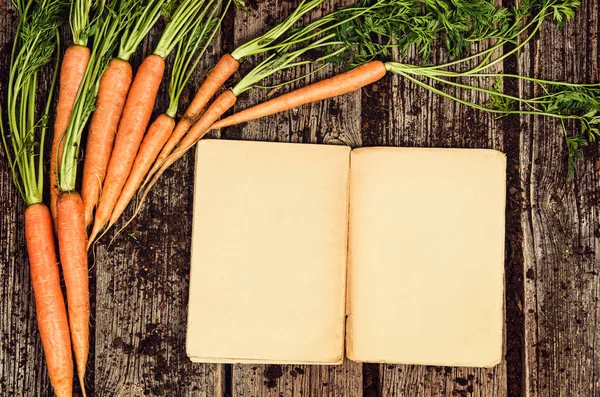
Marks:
<point>300,251</point>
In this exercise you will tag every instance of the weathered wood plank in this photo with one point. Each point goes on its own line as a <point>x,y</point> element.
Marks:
<point>297,380</point>
<point>398,113</point>
<point>142,285</point>
<point>560,225</point>
<point>335,121</point>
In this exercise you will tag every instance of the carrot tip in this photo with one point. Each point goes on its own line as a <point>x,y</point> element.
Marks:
<point>82,382</point>
<point>95,231</point>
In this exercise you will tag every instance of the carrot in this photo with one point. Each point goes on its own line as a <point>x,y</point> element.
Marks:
<point>215,79</point>
<point>112,94</point>
<point>72,71</point>
<point>223,103</point>
<point>155,138</point>
<point>72,243</point>
<point>132,126</point>
<point>49,301</point>
<point>328,88</point>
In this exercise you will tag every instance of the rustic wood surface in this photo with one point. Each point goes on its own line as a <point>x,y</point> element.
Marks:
<point>140,280</point>
<point>560,226</point>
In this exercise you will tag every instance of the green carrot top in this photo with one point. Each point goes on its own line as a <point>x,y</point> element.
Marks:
<point>145,17</point>
<point>36,43</point>
<point>182,21</point>
<point>82,20</point>
<point>191,50</point>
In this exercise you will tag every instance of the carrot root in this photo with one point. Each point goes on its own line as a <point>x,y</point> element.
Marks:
<point>215,79</point>
<point>49,301</point>
<point>155,138</point>
<point>72,71</point>
<point>112,94</point>
<point>338,85</point>
<point>72,243</point>
<point>135,118</point>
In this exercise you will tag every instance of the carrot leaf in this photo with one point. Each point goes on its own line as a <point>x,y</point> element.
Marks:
<point>261,44</point>
<point>191,50</point>
<point>23,138</point>
<point>179,26</point>
<point>146,14</point>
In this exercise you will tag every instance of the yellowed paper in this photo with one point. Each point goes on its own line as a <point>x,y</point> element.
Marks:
<point>268,253</point>
<point>425,277</point>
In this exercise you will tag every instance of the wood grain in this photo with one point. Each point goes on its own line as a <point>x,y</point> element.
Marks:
<point>560,225</point>
<point>336,122</point>
<point>142,284</point>
<point>399,113</point>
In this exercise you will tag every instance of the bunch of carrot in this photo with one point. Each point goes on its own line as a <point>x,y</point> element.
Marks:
<point>356,35</point>
<point>149,150</point>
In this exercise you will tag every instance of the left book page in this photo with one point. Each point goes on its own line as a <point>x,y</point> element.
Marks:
<point>269,246</point>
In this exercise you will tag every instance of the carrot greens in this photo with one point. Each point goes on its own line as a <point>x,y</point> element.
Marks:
<point>385,25</point>
<point>263,43</point>
<point>145,17</point>
<point>182,21</point>
<point>191,50</point>
<point>82,28</point>
<point>564,101</point>
<point>36,43</point>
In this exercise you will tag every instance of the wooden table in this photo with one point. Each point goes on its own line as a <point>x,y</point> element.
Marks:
<point>139,283</point>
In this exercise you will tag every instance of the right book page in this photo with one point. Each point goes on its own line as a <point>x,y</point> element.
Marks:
<point>426,256</point>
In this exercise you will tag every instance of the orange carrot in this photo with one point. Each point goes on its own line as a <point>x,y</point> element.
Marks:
<point>72,243</point>
<point>135,118</point>
<point>155,138</point>
<point>328,88</point>
<point>112,94</point>
<point>49,301</point>
<point>215,79</point>
<point>223,103</point>
<point>72,71</point>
